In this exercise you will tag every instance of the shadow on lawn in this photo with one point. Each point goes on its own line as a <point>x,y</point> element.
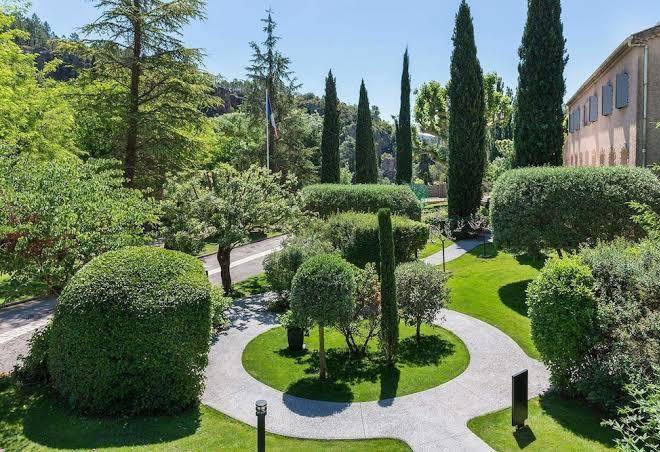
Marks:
<point>514,296</point>
<point>44,418</point>
<point>524,436</point>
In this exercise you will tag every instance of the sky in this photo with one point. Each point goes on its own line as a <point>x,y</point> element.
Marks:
<point>366,38</point>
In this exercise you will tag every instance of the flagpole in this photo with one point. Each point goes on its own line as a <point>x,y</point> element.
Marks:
<point>267,131</point>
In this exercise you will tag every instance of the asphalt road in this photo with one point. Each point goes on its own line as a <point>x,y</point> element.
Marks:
<point>18,322</point>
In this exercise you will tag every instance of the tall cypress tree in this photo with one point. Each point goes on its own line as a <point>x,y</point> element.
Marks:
<point>330,138</point>
<point>404,136</point>
<point>538,134</point>
<point>366,164</point>
<point>389,320</point>
<point>467,120</point>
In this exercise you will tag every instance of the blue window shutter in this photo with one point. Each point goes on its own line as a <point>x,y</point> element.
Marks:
<point>607,99</point>
<point>593,108</point>
<point>622,89</point>
<point>577,117</point>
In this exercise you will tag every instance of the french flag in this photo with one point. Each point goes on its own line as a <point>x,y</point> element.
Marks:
<point>270,116</point>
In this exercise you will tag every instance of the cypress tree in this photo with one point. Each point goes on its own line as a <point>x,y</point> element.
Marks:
<point>366,164</point>
<point>389,320</point>
<point>404,136</point>
<point>467,120</point>
<point>538,133</point>
<point>330,138</point>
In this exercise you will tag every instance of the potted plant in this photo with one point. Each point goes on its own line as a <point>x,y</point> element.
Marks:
<point>295,331</point>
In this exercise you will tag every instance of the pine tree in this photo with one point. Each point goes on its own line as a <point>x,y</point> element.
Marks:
<point>467,121</point>
<point>538,134</point>
<point>404,136</point>
<point>330,138</point>
<point>389,321</point>
<point>366,163</point>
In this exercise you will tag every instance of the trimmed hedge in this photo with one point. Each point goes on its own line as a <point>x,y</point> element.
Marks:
<point>329,199</point>
<point>561,208</point>
<point>131,333</point>
<point>356,236</point>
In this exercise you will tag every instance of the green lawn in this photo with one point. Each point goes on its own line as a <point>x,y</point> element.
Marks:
<point>492,289</point>
<point>9,293</point>
<point>440,357</point>
<point>254,285</point>
<point>432,247</point>
<point>554,423</point>
<point>39,421</point>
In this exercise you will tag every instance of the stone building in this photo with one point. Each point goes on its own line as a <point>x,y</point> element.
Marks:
<point>612,117</point>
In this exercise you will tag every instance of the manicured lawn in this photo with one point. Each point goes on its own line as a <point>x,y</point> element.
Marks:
<point>432,247</point>
<point>252,286</point>
<point>8,293</point>
<point>39,421</point>
<point>554,423</point>
<point>440,357</point>
<point>492,289</point>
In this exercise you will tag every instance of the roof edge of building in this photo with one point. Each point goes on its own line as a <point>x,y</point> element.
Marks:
<point>631,41</point>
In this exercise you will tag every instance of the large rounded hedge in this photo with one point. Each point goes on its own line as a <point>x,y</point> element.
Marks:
<point>329,199</point>
<point>131,333</point>
<point>356,236</point>
<point>556,207</point>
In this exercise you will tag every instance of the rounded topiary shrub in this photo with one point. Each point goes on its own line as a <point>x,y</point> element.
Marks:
<point>329,199</point>
<point>561,208</point>
<point>563,314</point>
<point>131,332</point>
<point>356,236</point>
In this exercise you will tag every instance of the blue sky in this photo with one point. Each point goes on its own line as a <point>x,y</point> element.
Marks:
<point>366,38</point>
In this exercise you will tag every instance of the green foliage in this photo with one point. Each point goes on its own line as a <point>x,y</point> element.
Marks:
<point>421,291</point>
<point>219,306</point>
<point>33,367</point>
<point>366,162</point>
<point>107,353</point>
<point>537,208</point>
<point>151,87</point>
<point>35,116</point>
<point>364,323</point>
<point>562,310</point>
<point>355,235</point>
<point>329,199</point>
<point>648,219</point>
<point>239,141</point>
<point>55,216</point>
<point>330,139</point>
<point>638,423</point>
<point>539,129</point>
<point>431,109</point>
<point>389,326</point>
<point>229,204</point>
<point>467,122</point>
<point>404,136</point>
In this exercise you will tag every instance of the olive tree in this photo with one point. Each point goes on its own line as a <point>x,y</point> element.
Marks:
<point>323,291</point>
<point>421,292</point>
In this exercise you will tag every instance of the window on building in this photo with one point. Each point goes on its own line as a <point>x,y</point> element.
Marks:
<point>606,99</point>
<point>593,108</point>
<point>577,118</point>
<point>622,89</point>
<point>585,117</point>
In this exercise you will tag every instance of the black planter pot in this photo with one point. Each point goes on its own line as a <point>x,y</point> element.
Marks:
<point>295,337</point>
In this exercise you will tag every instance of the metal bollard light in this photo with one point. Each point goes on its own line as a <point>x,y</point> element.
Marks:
<point>261,408</point>
<point>519,396</point>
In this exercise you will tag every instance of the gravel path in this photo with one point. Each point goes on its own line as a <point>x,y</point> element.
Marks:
<point>430,420</point>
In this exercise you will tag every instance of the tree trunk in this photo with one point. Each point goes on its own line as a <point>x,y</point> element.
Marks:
<point>418,336</point>
<point>323,372</point>
<point>224,259</point>
<point>560,254</point>
<point>130,155</point>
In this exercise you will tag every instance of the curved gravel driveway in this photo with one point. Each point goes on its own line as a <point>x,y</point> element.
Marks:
<point>434,419</point>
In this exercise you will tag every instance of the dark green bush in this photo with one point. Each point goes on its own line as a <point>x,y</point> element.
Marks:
<point>131,332</point>
<point>329,199</point>
<point>32,368</point>
<point>561,208</point>
<point>562,310</point>
<point>355,235</point>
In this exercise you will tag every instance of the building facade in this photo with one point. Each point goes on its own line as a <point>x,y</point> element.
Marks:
<point>612,117</point>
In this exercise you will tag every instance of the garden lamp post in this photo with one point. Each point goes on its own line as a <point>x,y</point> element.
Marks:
<point>261,407</point>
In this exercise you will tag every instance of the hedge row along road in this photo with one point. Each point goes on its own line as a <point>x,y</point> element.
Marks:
<point>18,322</point>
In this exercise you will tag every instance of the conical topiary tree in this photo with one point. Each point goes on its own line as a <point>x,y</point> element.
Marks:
<point>467,120</point>
<point>539,133</point>
<point>404,133</point>
<point>366,163</point>
<point>389,323</point>
<point>330,138</point>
